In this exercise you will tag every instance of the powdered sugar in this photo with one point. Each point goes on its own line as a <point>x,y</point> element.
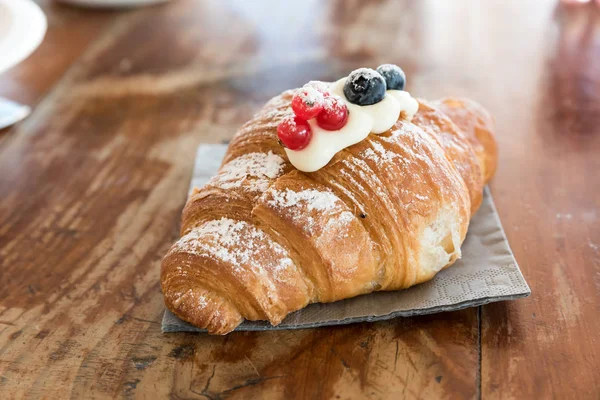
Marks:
<point>421,197</point>
<point>253,171</point>
<point>322,87</point>
<point>345,218</point>
<point>339,224</point>
<point>379,154</point>
<point>387,68</point>
<point>312,199</point>
<point>328,215</point>
<point>386,155</point>
<point>309,95</point>
<point>201,301</point>
<point>237,243</point>
<point>360,76</point>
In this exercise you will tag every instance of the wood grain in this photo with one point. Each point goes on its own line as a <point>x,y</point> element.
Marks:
<point>70,31</point>
<point>548,192</point>
<point>92,186</point>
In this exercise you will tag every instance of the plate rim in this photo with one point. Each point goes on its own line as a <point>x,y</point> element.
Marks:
<point>26,32</point>
<point>111,3</point>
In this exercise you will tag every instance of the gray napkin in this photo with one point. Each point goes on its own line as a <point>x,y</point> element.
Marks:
<point>486,273</point>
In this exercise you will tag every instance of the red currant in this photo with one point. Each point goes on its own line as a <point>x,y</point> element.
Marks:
<point>320,86</point>
<point>334,114</point>
<point>294,133</point>
<point>307,103</point>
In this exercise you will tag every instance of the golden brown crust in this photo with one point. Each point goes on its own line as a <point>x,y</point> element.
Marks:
<point>478,126</point>
<point>457,147</point>
<point>330,244</point>
<point>262,239</point>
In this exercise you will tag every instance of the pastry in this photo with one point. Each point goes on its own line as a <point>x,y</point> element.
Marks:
<point>330,191</point>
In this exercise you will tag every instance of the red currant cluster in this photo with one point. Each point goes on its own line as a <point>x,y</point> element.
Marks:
<point>312,101</point>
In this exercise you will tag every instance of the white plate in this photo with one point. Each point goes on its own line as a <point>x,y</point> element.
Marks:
<point>112,3</point>
<point>22,28</point>
<point>11,112</point>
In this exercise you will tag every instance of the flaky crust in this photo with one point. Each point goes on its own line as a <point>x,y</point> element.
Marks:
<point>263,239</point>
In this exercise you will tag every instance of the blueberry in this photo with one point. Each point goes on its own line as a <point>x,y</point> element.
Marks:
<point>395,78</point>
<point>364,87</point>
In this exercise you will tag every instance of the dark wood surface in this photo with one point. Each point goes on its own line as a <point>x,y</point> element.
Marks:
<point>93,182</point>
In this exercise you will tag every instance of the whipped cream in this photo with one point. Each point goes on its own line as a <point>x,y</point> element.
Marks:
<point>362,120</point>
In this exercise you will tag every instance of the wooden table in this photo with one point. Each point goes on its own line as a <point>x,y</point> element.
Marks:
<point>92,186</point>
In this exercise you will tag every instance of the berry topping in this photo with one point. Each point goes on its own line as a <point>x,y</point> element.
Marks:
<point>395,78</point>
<point>364,87</point>
<point>294,133</point>
<point>334,114</point>
<point>322,87</point>
<point>307,102</point>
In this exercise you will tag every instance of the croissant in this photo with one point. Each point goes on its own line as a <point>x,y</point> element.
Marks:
<point>262,239</point>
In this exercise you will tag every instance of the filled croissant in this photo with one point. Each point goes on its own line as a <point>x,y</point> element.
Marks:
<point>267,236</point>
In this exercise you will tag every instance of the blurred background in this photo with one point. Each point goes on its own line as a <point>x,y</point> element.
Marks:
<point>215,62</point>
<point>445,47</point>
